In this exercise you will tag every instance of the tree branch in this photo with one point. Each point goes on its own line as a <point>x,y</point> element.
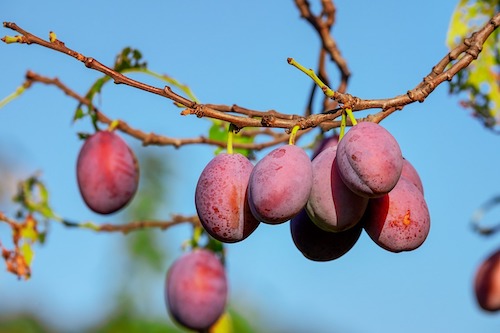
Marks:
<point>162,140</point>
<point>135,225</point>
<point>450,65</point>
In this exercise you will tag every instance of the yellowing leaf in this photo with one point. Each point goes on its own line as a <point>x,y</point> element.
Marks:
<point>27,253</point>
<point>480,80</point>
<point>28,230</point>
<point>458,25</point>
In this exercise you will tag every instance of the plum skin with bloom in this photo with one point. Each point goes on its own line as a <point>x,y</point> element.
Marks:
<point>107,172</point>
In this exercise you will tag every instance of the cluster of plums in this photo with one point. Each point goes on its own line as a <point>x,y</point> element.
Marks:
<point>361,182</point>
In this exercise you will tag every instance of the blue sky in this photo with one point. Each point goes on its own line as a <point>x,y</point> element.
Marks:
<point>234,52</point>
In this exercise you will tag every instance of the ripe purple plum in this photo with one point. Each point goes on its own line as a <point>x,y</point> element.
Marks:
<point>221,198</point>
<point>369,160</point>
<point>332,206</point>
<point>280,184</point>
<point>487,283</point>
<point>398,221</point>
<point>107,172</point>
<point>326,142</point>
<point>412,175</point>
<point>319,245</point>
<point>196,289</point>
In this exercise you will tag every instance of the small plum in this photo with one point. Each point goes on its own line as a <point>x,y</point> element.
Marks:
<point>487,283</point>
<point>196,289</point>
<point>107,172</point>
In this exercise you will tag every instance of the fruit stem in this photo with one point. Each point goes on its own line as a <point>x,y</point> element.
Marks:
<point>293,135</point>
<point>230,135</point>
<point>309,72</point>
<point>342,126</point>
<point>351,116</point>
<point>195,241</point>
<point>12,96</point>
<point>113,125</point>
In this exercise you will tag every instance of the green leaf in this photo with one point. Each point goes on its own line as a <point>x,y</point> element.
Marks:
<point>219,132</point>
<point>144,246</point>
<point>83,136</point>
<point>129,58</point>
<point>79,114</point>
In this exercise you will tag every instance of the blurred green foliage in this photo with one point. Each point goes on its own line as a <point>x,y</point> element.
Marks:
<point>143,246</point>
<point>480,81</point>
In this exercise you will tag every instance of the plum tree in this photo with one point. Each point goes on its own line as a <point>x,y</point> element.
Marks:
<point>363,182</point>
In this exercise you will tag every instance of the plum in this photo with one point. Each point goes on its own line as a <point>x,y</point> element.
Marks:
<point>487,283</point>
<point>196,289</point>
<point>332,206</point>
<point>319,245</point>
<point>280,184</point>
<point>400,220</point>
<point>369,160</point>
<point>326,142</point>
<point>107,172</point>
<point>221,198</point>
<point>411,173</point>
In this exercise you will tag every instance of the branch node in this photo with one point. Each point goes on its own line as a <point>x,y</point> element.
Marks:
<point>150,138</point>
<point>268,120</point>
<point>88,62</point>
<point>199,110</point>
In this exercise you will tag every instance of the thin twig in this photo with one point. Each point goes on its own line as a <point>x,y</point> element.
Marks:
<point>162,140</point>
<point>135,225</point>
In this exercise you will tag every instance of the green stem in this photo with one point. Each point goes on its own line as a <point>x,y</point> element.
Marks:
<point>82,225</point>
<point>293,135</point>
<point>197,233</point>
<point>309,72</point>
<point>12,96</point>
<point>351,117</point>
<point>230,134</point>
<point>342,126</point>
<point>113,125</point>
